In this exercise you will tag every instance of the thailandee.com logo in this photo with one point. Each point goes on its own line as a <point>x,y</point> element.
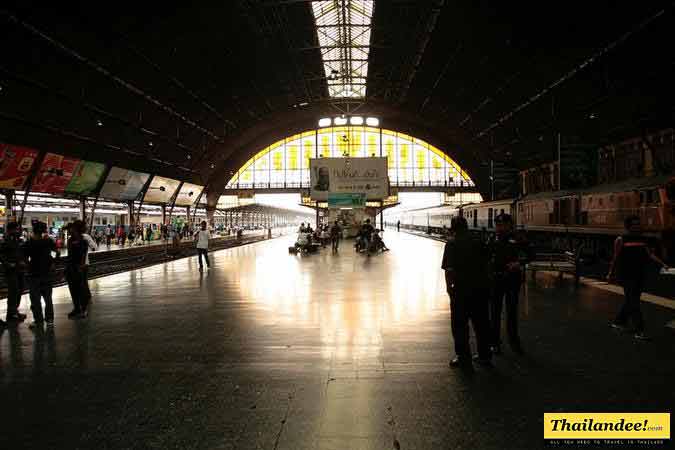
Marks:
<point>597,428</point>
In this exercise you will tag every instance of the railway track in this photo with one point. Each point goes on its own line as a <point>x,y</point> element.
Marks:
<point>111,262</point>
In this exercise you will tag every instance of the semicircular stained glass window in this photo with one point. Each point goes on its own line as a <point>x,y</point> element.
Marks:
<point>411,161</point>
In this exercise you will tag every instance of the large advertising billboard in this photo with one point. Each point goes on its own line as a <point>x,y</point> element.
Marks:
<point>123,184</point>
<point>161,190</point>
<point>86,178</point>
<point>349,176</point>
<point>54,174</point>
<point>15,165</point>
<point>188,194</point>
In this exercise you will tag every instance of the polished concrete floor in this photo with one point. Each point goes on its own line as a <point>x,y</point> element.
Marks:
<point>276,351</point>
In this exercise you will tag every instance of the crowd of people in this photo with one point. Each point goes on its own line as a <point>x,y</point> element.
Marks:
<point>32,260</point>
<point>28,260</point>
<point>368,238</point>
<point>484,276</point>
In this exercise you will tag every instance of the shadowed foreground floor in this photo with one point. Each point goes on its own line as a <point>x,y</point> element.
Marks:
<point>274,351</point>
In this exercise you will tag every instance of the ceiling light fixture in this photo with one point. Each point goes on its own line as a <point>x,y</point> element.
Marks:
<point>373,122</point>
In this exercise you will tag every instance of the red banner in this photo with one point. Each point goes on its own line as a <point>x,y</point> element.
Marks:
<point>15,165</point>
<point>54,174</point>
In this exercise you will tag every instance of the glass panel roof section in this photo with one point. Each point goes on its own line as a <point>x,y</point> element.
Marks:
<point>343,28</point>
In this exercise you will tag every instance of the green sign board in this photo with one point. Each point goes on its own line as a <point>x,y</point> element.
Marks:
<point>344,200</point>
<point>85,178</point>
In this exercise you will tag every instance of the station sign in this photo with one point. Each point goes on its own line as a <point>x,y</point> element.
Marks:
<point>16,164</point>
<point>188,194</point>
<point>54,174</point>
<point>161,190</point>
<point>345,200</point>
<point>123,184</point>
<point>349,175</point>
<point>86,177</point>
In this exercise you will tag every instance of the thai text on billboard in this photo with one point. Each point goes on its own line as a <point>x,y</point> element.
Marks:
<point>54,174</point>
<point>161,190</point>
<point>16,164</point>
<point>188,194</point>
<point>123,184</point>
<point>86,178</point>
<point>349,175</point>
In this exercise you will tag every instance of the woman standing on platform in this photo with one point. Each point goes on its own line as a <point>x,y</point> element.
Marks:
<point>75,271</point>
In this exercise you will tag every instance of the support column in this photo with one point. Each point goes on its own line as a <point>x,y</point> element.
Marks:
<point>9,204</point>
<point>187,216</point>
<point>83,209</point>
<point>130,206</point>
<point>381,215</point>
<point>317,215</point>
<point>163,214</point>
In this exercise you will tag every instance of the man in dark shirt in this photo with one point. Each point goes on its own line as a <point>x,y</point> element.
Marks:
<point>466,269</point>
<point>335,236</point>
<point>14,264</point>
<point>632,257</point>
<point>506,278</point>
<point>39,250</point>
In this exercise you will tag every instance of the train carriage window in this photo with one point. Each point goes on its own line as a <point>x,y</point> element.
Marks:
<point>656,198</point>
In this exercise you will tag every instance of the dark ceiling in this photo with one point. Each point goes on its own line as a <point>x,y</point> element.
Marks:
<point>191,91</point>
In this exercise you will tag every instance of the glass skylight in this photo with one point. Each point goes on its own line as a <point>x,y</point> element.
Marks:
<point>343,28</point>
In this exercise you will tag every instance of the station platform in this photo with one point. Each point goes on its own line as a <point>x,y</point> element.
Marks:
<point>267,350</point>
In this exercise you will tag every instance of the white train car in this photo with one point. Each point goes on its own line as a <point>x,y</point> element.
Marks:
<point>433,219</point>
<point>481,216</point>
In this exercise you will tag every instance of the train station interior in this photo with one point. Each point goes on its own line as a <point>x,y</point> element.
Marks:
<point>337,224</point>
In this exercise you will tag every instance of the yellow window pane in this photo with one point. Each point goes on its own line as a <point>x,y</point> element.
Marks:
<point>389,149</point>
<point>404,154</point>
<point>278,159</point>
<point>293,157</point>
<point>308,152</point>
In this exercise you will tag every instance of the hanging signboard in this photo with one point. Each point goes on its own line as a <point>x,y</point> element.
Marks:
<point>15,165</point>
<point>161,190</point>
<point>346,200</point>
<point>349,175</point>
<point>86,178</point>
<point>54,174</point>
<point>188,194</point>
<point>123,184</point>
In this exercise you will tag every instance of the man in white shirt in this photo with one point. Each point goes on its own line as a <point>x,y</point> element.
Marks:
<point>92,247</point>
<point>202,237</point>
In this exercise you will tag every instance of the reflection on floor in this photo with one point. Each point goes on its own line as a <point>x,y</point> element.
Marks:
<point>277,351</point>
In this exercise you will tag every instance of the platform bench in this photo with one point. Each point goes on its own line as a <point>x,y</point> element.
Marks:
<point>566,262</point>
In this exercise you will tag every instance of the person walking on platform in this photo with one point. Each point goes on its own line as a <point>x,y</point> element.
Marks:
<point>75,271</point>
<point>14,264</point>
<point>506,282</point>
<point>202,237</point>
<point>109,236</point>
<point>39,250</point>
<point>91,247</point>
<point>398,226</point>
<point>630,262</point>
<point>465,262</point>
<point>335,236</point>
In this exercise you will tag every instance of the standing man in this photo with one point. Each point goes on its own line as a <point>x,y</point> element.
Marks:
<point>39,250</point>
<point>631,259</point>
<point>14,264</point>
<point>202,236</point>
<point>75,271</point>
<point>507,278</point>
<point>335,236</point>
<point>398,226</point>
<point>465,264</point>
